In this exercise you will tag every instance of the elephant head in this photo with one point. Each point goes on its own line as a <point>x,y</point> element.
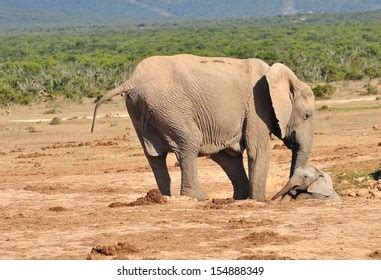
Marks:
<point>310,179</point>
<point>293,104</point>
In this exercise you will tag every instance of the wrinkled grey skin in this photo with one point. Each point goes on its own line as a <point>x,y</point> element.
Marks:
<point>309,182</point>
<point>195,106</point>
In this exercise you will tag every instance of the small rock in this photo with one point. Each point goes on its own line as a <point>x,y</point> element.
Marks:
<point>370,183</point>
<point>345,185</point>
<point>379,187</point>
<point>373,191</point>
<point>105,250</point>
<point>351,193</point>
<point>375,126</point>
<point>362,192</point>
<point>344,192</point>
<point>376,195</point>
<point>360,179</point>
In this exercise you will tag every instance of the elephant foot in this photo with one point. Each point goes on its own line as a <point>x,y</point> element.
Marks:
<point>194,193</point>
<point>240,195</point>
<point>165,192</point>
<point>257,197</point>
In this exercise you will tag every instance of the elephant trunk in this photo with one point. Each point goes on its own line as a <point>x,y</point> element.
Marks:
<point>300,155</point>
<point>301,150</point>
<point>290,184</point>
<point>299,158</point>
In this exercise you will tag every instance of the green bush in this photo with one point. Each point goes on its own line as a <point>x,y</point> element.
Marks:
<point>370,90</point>
<point>323,91</point>
<point>77,63</point>
<point>55,121</point>
<point>324,108</point>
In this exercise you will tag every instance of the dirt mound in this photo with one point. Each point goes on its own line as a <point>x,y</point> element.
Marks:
<point>56,188</point>
<point>117,204</point>
<point>376,255</point>
<point>265,237</point>
<point>263,222</point>
<point>244,222</point>
<point>106,143</point>
<point>152,197</point>
<point>57,209</point>
<point>218,203</point>
<point>263,257</point>
<point>112,250</point>
<point>33,155</point>
<point>69,144</point>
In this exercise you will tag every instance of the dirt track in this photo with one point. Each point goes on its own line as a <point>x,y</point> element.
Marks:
<point>57,181</point>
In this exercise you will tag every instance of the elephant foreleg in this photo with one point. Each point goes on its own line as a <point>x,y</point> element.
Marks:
<point>233,167</point>
<point>258,162</point>
<point>159,167</point>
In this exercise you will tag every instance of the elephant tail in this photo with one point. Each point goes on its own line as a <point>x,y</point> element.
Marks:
<point>116,91</point>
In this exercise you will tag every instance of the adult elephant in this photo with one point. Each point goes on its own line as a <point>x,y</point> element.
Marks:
<point>195,106</point>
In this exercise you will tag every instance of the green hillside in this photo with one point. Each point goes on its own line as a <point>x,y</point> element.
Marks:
<point>47,13</point>
<point>87,61</point>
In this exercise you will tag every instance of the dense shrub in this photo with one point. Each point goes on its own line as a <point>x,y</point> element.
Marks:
<point>79,63</point>
<point>323,91</point>
<point>370,89</point>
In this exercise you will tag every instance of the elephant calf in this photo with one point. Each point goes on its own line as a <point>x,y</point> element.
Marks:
<point>308,182</point>
<point>195,106</point>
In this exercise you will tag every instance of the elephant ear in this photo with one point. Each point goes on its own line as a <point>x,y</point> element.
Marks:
<point>323,185</point>
<point>281,82</point>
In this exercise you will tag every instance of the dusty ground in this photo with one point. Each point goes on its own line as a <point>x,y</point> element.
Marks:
<point>57,182</point>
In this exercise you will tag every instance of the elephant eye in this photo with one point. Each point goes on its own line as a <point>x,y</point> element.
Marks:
<point>306,115</point>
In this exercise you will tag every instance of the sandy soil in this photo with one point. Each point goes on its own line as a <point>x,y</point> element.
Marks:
<point>57,182</point>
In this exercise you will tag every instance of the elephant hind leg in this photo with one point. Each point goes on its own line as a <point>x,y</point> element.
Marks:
<point>160,170</point>
<point>233,167</point>
<point>189,179</point>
